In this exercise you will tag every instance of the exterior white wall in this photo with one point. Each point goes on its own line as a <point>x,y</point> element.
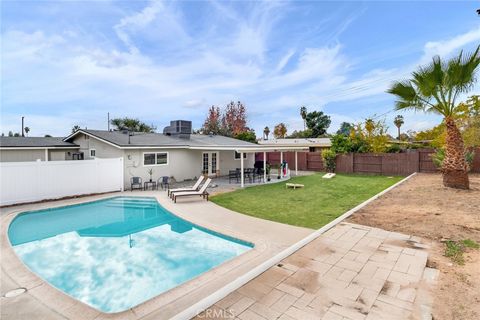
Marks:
<point>58,155</point>
<point>40,180</point>
<point>228,161</point>
<point>102,149</point>
<point>182,164</point>
<point>21,155</point>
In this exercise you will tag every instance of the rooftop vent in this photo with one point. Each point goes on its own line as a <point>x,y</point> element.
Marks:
<point>179,128</point>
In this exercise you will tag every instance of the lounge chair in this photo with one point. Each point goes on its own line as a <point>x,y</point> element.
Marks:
<point>186,189</point>
<point>135,183</point>
<point>202,192</point>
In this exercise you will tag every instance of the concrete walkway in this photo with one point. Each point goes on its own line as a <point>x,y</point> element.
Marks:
<point>350,272</point>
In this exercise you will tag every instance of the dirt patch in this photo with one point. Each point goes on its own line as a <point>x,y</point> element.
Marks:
<point>424,208</point>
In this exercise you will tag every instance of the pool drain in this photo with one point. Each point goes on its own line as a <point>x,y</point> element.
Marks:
<point>15,292</point>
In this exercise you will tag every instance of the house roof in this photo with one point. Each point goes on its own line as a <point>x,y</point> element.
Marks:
<point>35,142</point>
<point>149,140</point>
<point>300,142</point>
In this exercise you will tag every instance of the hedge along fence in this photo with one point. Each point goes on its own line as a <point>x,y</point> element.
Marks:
<point>405,163</point>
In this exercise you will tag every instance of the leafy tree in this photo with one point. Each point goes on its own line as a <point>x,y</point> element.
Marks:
<point>75,128</point>
<point>435,135</point>
<point>318,123</point>
<point>280,130</point>
<point>303,114</point>
<point>435,88</point>
<point>329,159</point>
<point>468,119</point>
<point>131,124</point>
<point>301,134</point>
<point>398,121</point>
<point>266,132</point>
<point>234,120</point>
<point>248,136</point>
<point>212,124</point>
<point>47,136</point>
<point>345,128</point>
<point>27,130</point>
<point>230,123</point>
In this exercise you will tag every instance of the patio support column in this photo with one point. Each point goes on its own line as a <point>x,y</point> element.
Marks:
<point>296,165</point>
<point>242,178</point>
<point>264,167</point>
<point>46,154</point>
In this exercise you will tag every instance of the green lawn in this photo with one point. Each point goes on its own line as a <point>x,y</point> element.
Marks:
<point>321,201</point>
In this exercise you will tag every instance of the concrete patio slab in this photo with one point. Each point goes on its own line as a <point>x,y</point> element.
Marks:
<point>350,272</point>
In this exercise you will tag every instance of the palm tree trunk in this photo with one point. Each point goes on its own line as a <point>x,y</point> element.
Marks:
<point>454,168</point>
<point>398,133</point>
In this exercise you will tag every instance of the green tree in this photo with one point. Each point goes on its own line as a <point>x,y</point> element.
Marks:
<point>27,130</point>
<point>435,88</point>
<point>132,124</point>
<point>398,121</point>
<point>318,123</point>
<point>345,128</point>
<point>248,136</point>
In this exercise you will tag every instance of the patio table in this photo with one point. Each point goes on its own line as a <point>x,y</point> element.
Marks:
<point>147,184</point>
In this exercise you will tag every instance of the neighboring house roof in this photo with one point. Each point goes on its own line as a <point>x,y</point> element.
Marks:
<point>35,142</point>
<point>300,142</point>
<point>151,140</point>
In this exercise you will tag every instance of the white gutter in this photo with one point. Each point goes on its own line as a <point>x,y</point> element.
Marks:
<point>35,148</point>
<point>235,284</point>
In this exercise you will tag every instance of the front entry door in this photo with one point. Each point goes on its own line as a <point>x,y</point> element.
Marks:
<point>210,163</point>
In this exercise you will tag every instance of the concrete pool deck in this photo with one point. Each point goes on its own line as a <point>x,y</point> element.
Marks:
<point>42,301</point>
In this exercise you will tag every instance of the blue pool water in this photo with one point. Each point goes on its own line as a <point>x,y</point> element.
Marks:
<point>116,253</point>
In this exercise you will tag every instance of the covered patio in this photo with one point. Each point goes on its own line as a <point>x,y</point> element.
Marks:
<point>254,150</point>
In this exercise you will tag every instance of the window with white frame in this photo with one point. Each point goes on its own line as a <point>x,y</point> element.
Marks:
<point>92,153</point>
<point>237,155</point>
<point>155,158</point>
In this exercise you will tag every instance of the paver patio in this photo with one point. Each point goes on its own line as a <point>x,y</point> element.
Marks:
<point>350,272</point>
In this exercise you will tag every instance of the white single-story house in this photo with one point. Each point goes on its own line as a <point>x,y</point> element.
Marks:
<point>19,149</point>
<point>312,144</point>
<point>174,153</point>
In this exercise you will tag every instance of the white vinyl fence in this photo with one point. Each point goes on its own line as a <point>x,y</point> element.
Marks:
<point>41,180</point>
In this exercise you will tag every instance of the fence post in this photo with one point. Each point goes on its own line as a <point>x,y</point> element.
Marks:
<point>352,161</point>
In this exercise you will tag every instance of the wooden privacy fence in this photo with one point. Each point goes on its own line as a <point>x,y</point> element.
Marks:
<point>404,163</point>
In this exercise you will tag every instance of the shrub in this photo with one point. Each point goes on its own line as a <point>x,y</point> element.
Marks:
<point>393,148</point>
<point>329,157</point>
<point>438,157</point>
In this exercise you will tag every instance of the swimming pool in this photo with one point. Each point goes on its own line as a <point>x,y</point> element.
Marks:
<point>116,253</point>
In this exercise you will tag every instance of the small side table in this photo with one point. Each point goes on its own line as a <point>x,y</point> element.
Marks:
<point>147,184</point>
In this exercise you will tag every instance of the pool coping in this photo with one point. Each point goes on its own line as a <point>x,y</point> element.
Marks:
<point>169,303</point>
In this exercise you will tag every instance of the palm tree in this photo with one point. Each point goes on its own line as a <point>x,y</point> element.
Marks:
<point>266,132</point>
<point>27,130</point>
<point>303,114</point>
<point>398,121</point>
<point>435,88</point>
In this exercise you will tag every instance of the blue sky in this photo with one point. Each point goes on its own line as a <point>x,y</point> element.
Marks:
<point>66,63</point>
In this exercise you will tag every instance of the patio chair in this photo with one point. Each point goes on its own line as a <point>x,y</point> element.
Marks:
<point>135,183</point>
<point>163,182</point>
<point>186,189</point>
<point>233,174</point>
<point>202,192</point>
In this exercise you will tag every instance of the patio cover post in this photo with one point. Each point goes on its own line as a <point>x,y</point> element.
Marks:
<point>296,166</point>
<point>46,154</point>
<point>264,167</point>
<point>241,170</point>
